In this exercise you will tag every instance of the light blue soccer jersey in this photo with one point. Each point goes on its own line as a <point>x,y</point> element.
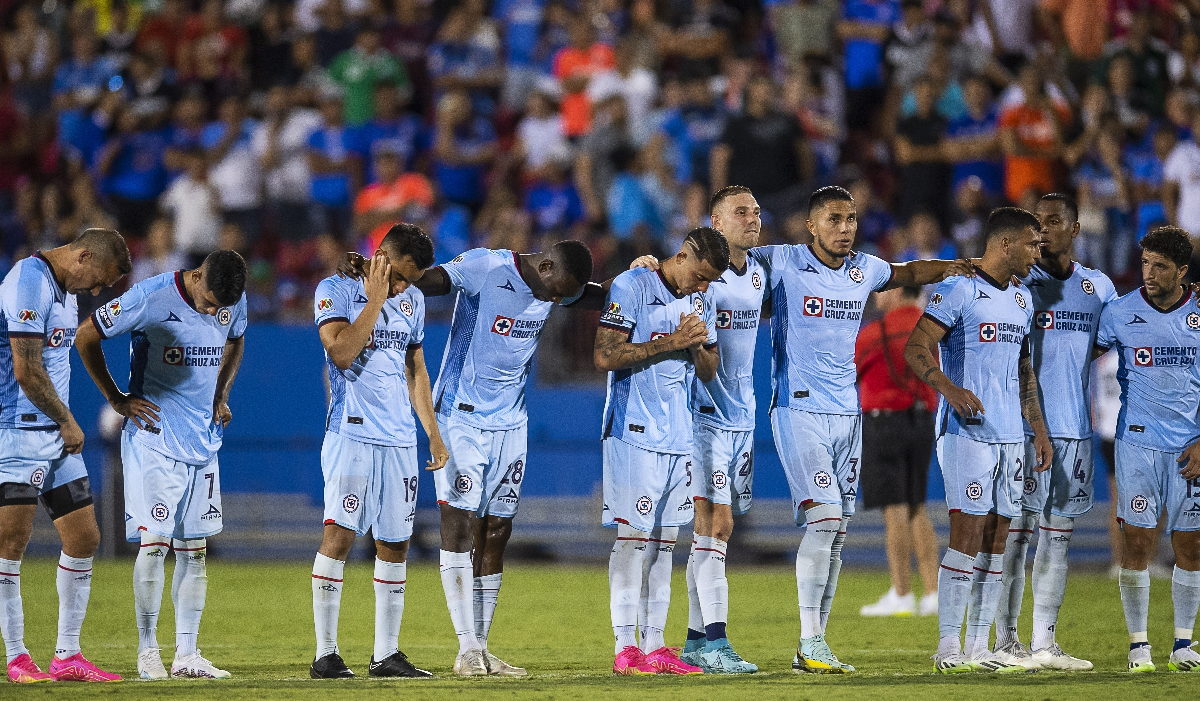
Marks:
<point>33,304</point>
<point>815,315</point>
<point>369,401</point>
<point>986,327</point>
<point>494,333</point>
<point>1160,390</point>
<point>1066,315</point>
<point>647,404</point>
<point>174,358</point>
<point>728,400</point>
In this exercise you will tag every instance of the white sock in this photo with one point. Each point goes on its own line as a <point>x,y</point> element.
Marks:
<point>487,592</point>
<point>695,612</point>
<point>835,568</point>
<point>74,580</point>
<point>658,586</point>
<point>189,587</point>
<point>389,606</point>
<point>813,558</point>
<point>986,588</point>
<point>1185,596</point>
<point>327,602</point>
<point>12,615</point>
<point>148,578</point>
<point>625,565</point>
<point>1135,600</point>
<point>1050,577</point>
<point>1016,550</point>
<point>954,594</point>
<point>712,588</point>
<point>458,583</point>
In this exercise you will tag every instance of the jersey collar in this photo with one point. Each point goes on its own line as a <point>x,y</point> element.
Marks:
<point>1060,279</point>
<point>743,271</point>
<point>53,274</point>
<point>183,288</point>
<point>818,258</point>
<point>1182,301</point>
<point>989,279</point>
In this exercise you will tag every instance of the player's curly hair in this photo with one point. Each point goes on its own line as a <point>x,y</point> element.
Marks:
<point>1005,220</point>
<point>728,191</point>
<point>575,258</point>
<point>710,245</point>
<point>406,239</point>
<point>225,274</point>
<point>1171,243</point>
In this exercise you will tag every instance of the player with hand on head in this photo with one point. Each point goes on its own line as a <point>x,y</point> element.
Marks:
<point>41,442</point>
<point>186,332</point>
<point>372,331</point>
<point>657,330</point>
<point>980,327</point>
<point>1157,335</point>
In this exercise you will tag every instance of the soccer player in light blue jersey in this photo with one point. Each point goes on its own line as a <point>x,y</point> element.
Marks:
<point>987,383</point>
<point>186,333</point>
<point>657,330</point>
<point>372,331</point>
<point>40,441</point>
<point>1156,332</point>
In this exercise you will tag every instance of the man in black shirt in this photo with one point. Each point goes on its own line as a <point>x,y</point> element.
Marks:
<point>924,173</point>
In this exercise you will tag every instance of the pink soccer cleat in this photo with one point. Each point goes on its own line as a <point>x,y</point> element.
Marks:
<point>631,661</point>
<point>77,668</point>
<point>665,660</point>
<point>23,671</point>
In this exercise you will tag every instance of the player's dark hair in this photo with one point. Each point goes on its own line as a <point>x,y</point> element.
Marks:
<point>225,274</point>
<point>827,194</point>
<point>1005,220</point>
<point>1068,203</point>
<point>406,239</point>
<point>575,258</point>
<point>1171,243</point>
<point>728,191</point>
<point>107,247</point>
<point>711,246</point>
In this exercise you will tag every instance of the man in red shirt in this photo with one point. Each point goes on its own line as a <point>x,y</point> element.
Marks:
<point>897,440</point>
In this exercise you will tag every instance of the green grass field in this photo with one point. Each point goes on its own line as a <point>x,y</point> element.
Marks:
<point>554,621</point>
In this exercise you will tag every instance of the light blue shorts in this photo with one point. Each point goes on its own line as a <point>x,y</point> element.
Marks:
<point>723,465</point>
<point>645,489</point>
<point>36,458</point>
<point>1066,488</point>
<point>167,497</point>
<point>820,455</point>
<point>1149,484</point>
<point>370,486</point>
<point>485,470</point>
<point>982,478</point>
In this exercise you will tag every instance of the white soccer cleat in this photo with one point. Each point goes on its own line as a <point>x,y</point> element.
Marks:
<point>194,666</point>
<point>929,604</point>
<point>988,661</point>
<point>951,663</point>
<point>1053,657</point>
<point>1140,660</point>
<point>1015,653</point>
<point>471,664</point>
<point>499,668</point>
<point>891,604</point>
<point>150,664</point>
<point>1185,659</point>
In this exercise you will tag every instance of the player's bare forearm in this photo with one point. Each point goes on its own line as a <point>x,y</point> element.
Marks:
<point>919,354</point>
<point>35,381</point>
<point>231,361</point>
<point>706,360</point>
<point>928,272</point>
<point>420,391</point>
<point>1031,405</point>
<point>91,354</point>
<point>343,341</point>
<point>615,352</point>
<point>434,283</point>
<point>593,297</point>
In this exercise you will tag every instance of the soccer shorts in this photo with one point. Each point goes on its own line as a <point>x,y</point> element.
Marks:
<point>645,489</point>
<point>982,478</point>
<point>370,486</point>
<point>820,455</point>
<point>723,466</point>
<point>33,464</point>
<point>1149,483</point>
<point>167,497</point>
<point>1066,488</point>
<point>485,469</point>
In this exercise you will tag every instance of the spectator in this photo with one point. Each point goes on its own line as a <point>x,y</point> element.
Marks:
<point>234,169</point>
<point>160,255</point>
<point>118,39</point>
<point>594,171</point>
<point>1181,176</point>
<point>924,175</point>
<point>194,205</point>
<point>924,240</point>
<point>464,146</point>
<point>280,142</point>
<point>804,29</point>
<point>875,224</point>
<point>631,212</point>
<point>458,63</point>
<point>209,38</point>
<point>271,50</point>
<point>1148,60</point>
<point>186,130</point>
<point>335,171</point>
<point>401,131</point>
<point>521,21</point>
<point>701,34</point>
<point>540,134</point>
<point>1145,168</point>
<point>1008,30</point>
<point>1031,135</point>
<point>864,28</point>
<point>336,32</point>
<point>360,70</point>
<point>78,81</point>
<point>552,202</point>
<point>574,67</point>
<point>1130,103</point>
<point>31,51</point>
<point>973,143</point>
<point>814,96</point>
<point>382,204</point>
<point>131,165</point>
<point>1082,27</point>
<point>163,32</point>
<point>645,34</point>
<point>693,129</point>
<point>637,85</point>
<point>1102,186</point>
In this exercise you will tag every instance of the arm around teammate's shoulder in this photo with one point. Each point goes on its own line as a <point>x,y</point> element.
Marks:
<point>928,272</point>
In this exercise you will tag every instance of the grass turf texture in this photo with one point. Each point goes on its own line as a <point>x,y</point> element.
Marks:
<point>554,621</point>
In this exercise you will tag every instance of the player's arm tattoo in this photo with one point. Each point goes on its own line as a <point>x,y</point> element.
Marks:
<point>919,353</point>
<point>35,381</point>
<point>615,352</point>
<point>1031,405</point>
<point>230,362</point>
<point>434,283</point>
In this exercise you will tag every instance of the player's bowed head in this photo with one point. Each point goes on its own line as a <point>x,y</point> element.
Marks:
<point>562,272</point>
<point>406,252</point>
<point>701,260</point>
<point>97,259</point>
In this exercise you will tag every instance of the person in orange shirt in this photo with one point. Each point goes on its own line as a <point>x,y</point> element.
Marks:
<point>1031,136</point>
<point>380,205</point>
<point>574,66</point>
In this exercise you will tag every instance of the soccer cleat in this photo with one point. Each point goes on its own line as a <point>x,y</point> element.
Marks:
<point>665,660</point>
<point>951,663</point>
<point>694,657</point>
<point>394,665</point>
<point>631,661</point>
<point>330,666</point>
<point>815,657</point>
<point>77,668</point>
<point>891,604</point>
<point>150,666</point>
<point>194,666</point>
<point>1185,659</point>
<point>988,661</point>
<point>1013,652</point>
<point>470,664</point>
<point>723,660</point>
<point>929,604</point>
<point>23,671</point>
<point>499,668</point>
<point>1053,657</point>
<point>1140,661</point>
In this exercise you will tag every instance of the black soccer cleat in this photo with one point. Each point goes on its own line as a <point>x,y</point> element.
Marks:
<point>395,665</point>
<point>330,666</point>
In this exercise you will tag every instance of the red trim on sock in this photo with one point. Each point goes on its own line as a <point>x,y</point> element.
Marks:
<point>1058,530</point>
<point>383,581</point>
<point>656,540</point>
<point>640,540</point>
<point>955,570</point>
<point>839,518</point>
<point>152,545</point>
<point>1019,530</point>
<point>10,574</point>
<point>987,571</point>
<point>71,570</point>
<point>711,550</point>
<point>327,579</point>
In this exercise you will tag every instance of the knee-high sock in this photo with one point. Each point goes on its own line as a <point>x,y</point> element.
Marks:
<point>148,579</point>
<point>835,569</point>
<point>74,583</point>
<point>1049,577</point>
<point>1135,599</point>
<point>389,606</point>
<point>625,565</point>
<point>327,602</point>
<point>12,615</point>
<point>813,558</point>
<point>487,593</point>
<point>954,594</point>
<point>986,588</point>
<point>695,631</point>
<point>657,586</point>
<point>458,582</point>
<point>1185,596</point>
<point>189,588</point>
<point>1020,534</point>
<point>712,588</point>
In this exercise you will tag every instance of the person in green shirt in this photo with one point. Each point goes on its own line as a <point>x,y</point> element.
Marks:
<point>362,67</point>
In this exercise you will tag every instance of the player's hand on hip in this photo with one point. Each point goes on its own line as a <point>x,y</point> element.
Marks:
<point>221,414</point>
<point>961,267</point>
<point>644,262</point>
<point>1045,452</point>
<point>72,437</point>
<point>964,402</point>
<point>351,265</point>
<point>1191,462</point>
<point>143,413</point>
<point>379,280</point>
<point>438,453</point>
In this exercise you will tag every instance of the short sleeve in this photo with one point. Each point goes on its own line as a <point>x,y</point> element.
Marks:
<point>417,337</point>
<point>330,303</point>
<point>237,326</point>
<point>622,305</point>
<point>27,307</point>
<point>1106,334</point>
<point>123,314</point>
<point>1107,291</point>
<point>947,302</point>
<point>468,271</point>
<point>773,259</point>
<point>878,271</point>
